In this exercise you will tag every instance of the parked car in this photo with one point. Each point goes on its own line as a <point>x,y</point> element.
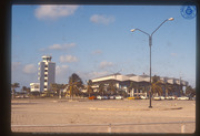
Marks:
<point>105,97</point>
<point>119,97</point>
<point>143,97</point>
<point>183,98</point>
<point>92,98</point>
<point>102,97</point>
<point>156,98</point>
<point>112,97</point>
<point>162,97</point>
<point>168,97</point>
<point>173,97</point>
<point>99,97</point>
<point>131,98</point>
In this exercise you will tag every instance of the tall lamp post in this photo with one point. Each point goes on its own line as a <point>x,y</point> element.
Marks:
<point>150,44</point>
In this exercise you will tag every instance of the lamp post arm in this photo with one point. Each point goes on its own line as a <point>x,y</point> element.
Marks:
<point>158,27</point>
<point>143,32</point>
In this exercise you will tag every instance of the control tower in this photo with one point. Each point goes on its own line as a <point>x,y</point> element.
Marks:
<point>46,73</point>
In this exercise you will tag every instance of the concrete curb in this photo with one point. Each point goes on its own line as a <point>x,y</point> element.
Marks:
<point>134,109</point>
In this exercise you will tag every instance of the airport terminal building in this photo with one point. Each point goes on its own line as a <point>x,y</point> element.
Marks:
<point>122,82</point>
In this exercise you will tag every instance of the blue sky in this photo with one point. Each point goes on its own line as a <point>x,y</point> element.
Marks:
<point>95,40</point>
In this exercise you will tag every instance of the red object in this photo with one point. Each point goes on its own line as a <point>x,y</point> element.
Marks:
<point>91,97</point>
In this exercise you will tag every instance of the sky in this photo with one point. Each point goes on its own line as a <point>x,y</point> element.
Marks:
<point>95,40</point>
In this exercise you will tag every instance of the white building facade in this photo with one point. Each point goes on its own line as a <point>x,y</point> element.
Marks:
<point>46,73</point>
<point>35,87</point>
<point>124,81</point>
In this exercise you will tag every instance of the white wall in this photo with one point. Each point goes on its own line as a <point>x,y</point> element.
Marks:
<point>51,73</point>
<point>41,76</point>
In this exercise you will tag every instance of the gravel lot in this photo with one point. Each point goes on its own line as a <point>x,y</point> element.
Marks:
<point>102,116</point>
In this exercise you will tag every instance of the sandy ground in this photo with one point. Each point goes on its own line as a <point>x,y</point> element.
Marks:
<point>87,116</point>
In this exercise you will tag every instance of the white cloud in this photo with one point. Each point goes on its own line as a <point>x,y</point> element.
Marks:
<point>97,52</point>
<point>68,58</point>
<point>173,54</point>
<point>58,47</point>
<point>61,69</point>
<point>102,19</point>
<point>52,12</point>
<point>61,46</point>
<point>24,74</point>
<point>55,47</point>
<point>30,68</point>
<point>85,76</point>
<point>105,64</point>
<point>97,74</point>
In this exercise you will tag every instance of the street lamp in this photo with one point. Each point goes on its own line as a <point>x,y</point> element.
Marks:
<point>150,44</point>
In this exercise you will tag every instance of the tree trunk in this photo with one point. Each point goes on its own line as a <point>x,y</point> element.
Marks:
<point>145,94</point>
<point>60,94</point>
<point>166,93</point>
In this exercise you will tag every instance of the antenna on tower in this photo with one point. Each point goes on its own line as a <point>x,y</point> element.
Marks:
<point>116,72</point>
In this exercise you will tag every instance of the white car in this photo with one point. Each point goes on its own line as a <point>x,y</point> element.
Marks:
<point>162,97</point>
<point>111,97</point>
<point>168,97</point>
<point>173,97</point>
<point>102,97</point>
<point>119,97</point>
<point>183,98</point>
<point>143,97</point>
<point>157,98</point>
<point>99,97</point>
<point>105,97</point>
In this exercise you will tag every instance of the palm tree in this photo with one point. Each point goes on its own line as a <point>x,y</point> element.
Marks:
<point>190,91</point>
<point>57,88</point>
<point>130,88</point>
<point>101,88</point>
<point>111,87</point>
<point>134,86</point>
<point>145,89</point>
<point>26,90</point>
<point>75,83</point>
<point>168,89</point>
<point>13,86</point>
<point>89,87</point>
<point>156,85</point>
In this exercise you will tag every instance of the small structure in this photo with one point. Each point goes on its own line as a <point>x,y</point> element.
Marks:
<point>35,87</point>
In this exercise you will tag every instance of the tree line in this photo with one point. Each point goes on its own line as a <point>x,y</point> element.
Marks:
<point>75,85</point>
